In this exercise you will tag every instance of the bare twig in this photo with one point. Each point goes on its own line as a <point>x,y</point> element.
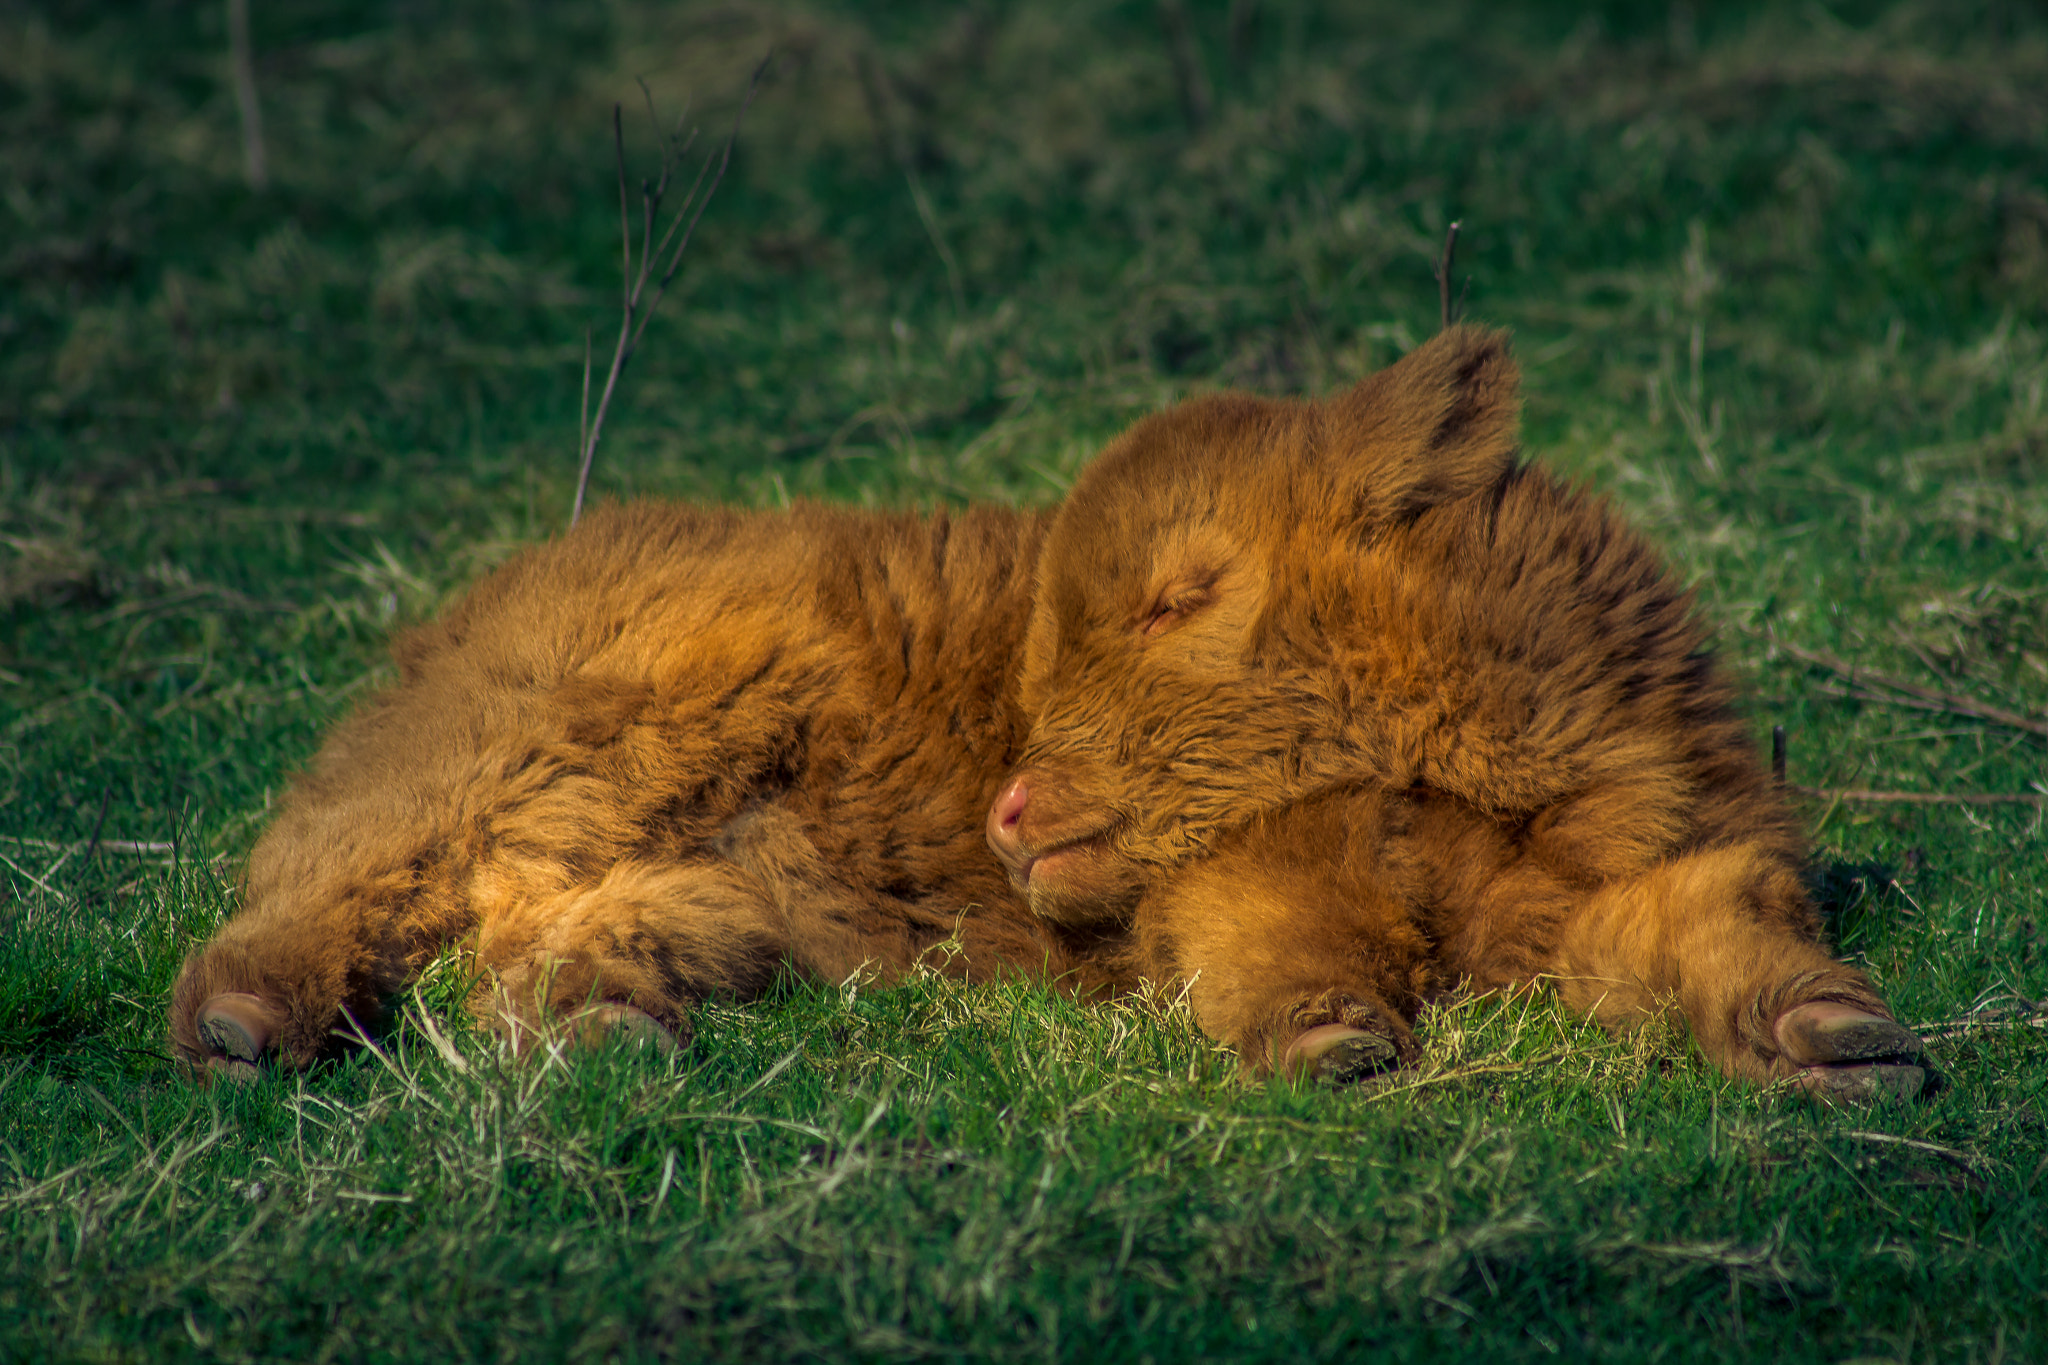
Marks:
<point>34,878</point>
<point>931,230</point>
<point>1967,1161</point>
<point>880,92</point>
<point>1444,262</point>
<point>99,825</point>
<point>1244,30</point>
<point>1926,798</point>
<point>1702,421</point>
<point>1188,76</point>
<point>2034,1016</point>
<point>255,164</point>
<point>1944,705</point>
<point>145,847</point>
<point>878,102</point>
<point>132,846</point>
<point>636,305</point>
<point>583,413</point>
<point>1861,684</point>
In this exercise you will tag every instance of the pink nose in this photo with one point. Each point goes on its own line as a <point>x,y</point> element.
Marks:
<point>1004,816</point>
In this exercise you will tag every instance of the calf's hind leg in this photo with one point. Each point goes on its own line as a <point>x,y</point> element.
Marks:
<point>310,947</point>
<point>1724,937</point>
<point>635,952</point>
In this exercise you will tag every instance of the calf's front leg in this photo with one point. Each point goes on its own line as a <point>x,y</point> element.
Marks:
<point>1292,945</point>
<point>1721,938</point>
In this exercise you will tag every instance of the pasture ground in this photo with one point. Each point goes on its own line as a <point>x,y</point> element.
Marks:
<point>1779,280</point>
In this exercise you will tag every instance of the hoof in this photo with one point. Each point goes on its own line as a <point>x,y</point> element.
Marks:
<point>237,1029</point>
<point>1339,1055</point>
<point>610,1021</point>
<point>1850,1056</point>
<point>1894,1082</point>
<point>230,1070</point>
<point>1823,1032</point>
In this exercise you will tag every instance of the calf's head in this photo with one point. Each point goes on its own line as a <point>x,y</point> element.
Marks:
<point>1179,664</point>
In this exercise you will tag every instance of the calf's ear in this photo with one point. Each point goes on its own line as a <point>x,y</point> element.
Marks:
<point>1439,423</point>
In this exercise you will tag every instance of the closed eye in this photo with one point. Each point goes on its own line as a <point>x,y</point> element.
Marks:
<point>1173,606</point>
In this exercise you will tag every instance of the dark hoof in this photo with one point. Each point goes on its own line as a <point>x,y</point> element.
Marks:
<point>237,1029</point>
<point>609,1022</point>
<point>1826,1033</point>
<point>1339,1055</point>
<point>1851,1056</point>
<point>232,1071</point>
<point>1894,1082</point>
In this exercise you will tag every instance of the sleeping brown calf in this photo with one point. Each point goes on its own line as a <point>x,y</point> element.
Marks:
<point>1316,708</point>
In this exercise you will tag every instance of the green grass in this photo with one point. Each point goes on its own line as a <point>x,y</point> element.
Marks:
<point>1778,279</point>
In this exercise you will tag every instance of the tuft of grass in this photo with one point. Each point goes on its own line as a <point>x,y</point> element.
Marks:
<point>1777,278</point>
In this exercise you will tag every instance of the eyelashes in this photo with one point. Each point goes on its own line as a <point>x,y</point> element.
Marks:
<point>1174,605</point>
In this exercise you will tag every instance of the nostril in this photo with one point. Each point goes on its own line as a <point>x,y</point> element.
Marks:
<point>1007,812</point>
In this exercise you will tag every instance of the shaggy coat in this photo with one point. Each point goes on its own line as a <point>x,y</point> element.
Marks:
<point>1314,708</point>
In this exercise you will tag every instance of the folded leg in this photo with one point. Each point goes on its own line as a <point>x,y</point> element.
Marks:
<point>280,977</point>
<point>1724,939</point>
<point>1292,944</point>
<point>655,939</point>
<point>645,940</point>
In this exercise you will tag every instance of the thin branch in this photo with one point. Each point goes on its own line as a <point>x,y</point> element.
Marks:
<point>1443,274</point>
<point>931,228</point>
<point>1904,703</point>
<point>1244,32</point>
<point>2032,1017</point>
<point>255,164</point>
<point>1702,420</point>
<point>654,119</point>
<point>675,257</point>
<point>1967,1161</point>
<point>1188,76</point>
<point>636,306</point>
<point>137,846</point>
<point>133,846</point>
<point>99,825</point>
<point>876,86</point>
<point>1864,685</point>
<point>878,105</point>
<point>583,416</point>
<point>33,877</point>
<point>1926,798</point>
<point>629,292</point>
<point>625,222</point>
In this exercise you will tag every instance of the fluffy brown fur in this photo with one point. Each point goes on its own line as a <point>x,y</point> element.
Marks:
<point>1318,708</point>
